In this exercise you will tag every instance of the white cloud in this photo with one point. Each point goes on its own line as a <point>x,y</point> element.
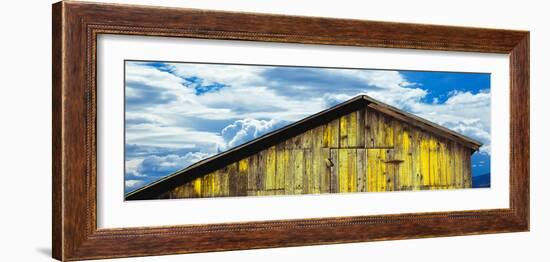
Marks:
<point>463,112</point>
<point>131,184</point>
<point>158,166</point>
<point>151,77</point>
<point>244,130</point>
<point>251,95</point>
<point>218,73</point>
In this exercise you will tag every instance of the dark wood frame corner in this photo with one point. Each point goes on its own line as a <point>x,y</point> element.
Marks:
<point>76,26</point>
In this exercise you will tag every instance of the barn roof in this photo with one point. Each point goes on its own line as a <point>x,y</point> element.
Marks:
<point>252,147</point>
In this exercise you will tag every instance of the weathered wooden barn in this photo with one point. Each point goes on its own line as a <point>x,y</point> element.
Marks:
<point>361,145</point>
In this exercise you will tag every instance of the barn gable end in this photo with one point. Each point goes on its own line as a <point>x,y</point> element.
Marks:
<point>361,145</point>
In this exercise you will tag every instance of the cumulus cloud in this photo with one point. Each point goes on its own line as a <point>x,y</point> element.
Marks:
<point>242,131</point>
<point>142,171</point>
<point>131,184</point>
<point>463,112</point>
<point>158,166</point>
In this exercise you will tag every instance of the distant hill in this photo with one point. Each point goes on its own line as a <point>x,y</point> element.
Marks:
<point>481,181</point>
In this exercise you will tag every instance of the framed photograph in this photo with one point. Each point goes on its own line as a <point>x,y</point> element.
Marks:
<point>182,130</point>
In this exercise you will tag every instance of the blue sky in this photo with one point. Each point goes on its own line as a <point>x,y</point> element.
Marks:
<point>179,113</point>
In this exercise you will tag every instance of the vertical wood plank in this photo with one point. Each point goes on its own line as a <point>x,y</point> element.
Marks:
<point>367,130</point>
<point>261,164</point>
<point>343,170</point>
<point>216,183</point>
<point>317,164</point>
<point>360,129</point>
<point>334,171</point>
<point>307,139</point>
<point>206,185</point>
<point>361,170</point>
<point>353,130</point>
<point>271,168</point>
<point>347,170</point>
<point>405,177</point>
<point>237,178</point>
<point>447,163</point>
<point>425,160</point>
<point>467,169</point>
<point>188,190</point>
<point>295,142</point>
<point>298,158</point>
<point>196,187</point>
<point>452,172</point>
<point>416,160</point>
<point>462,165</point>
<point>241,181</point>
<point>371,118</point>
<point>459,166</point>
<point>177,192</point>
<point>382,170</point>
<point>372,167</point>
<point>331,134</point>
<point>380,135</point>
<point>400,151</point>
<point>325,170</point>
<point>376,168</point>
<point>344,134</point>
<point>252,173</point>
<point>308,179</point>
<point>224,181</point>
<point>434,163</point>
<point>388,132</point>
<point>442,159</point>
<point>349,130</point>
<point>408,161</point>
<point>449,158</point>
<point>379,129</point>
<point>391,171</point>
<point>352,170</point>
<point>282,166</point>
<point>290,173</point>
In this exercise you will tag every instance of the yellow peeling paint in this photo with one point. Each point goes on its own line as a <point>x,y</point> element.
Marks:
<point>196,187</point>
<point>425,161</point>
<point>344,131</point>
<point>330,134</point>
<point>434,163</point>
<point>363,151</point>
<point>271,168</point>
<point>388,138</point>
<point>377,170</point>
<point>405,168</point>
<point>343,170</point>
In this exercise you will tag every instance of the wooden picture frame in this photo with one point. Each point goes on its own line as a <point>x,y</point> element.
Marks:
<point>76,26</point>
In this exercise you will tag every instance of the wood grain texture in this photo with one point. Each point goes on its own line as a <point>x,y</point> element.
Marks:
<point>391,160</point>
<point>57,195</point>
<point>75,29</point>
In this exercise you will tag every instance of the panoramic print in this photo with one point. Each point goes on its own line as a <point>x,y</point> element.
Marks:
<point>197,130</point>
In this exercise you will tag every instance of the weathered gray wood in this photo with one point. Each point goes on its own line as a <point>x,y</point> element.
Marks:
<point>326,170</point>
<point>252,172</point>
<point>334,171</point>
<point>361,170</point>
